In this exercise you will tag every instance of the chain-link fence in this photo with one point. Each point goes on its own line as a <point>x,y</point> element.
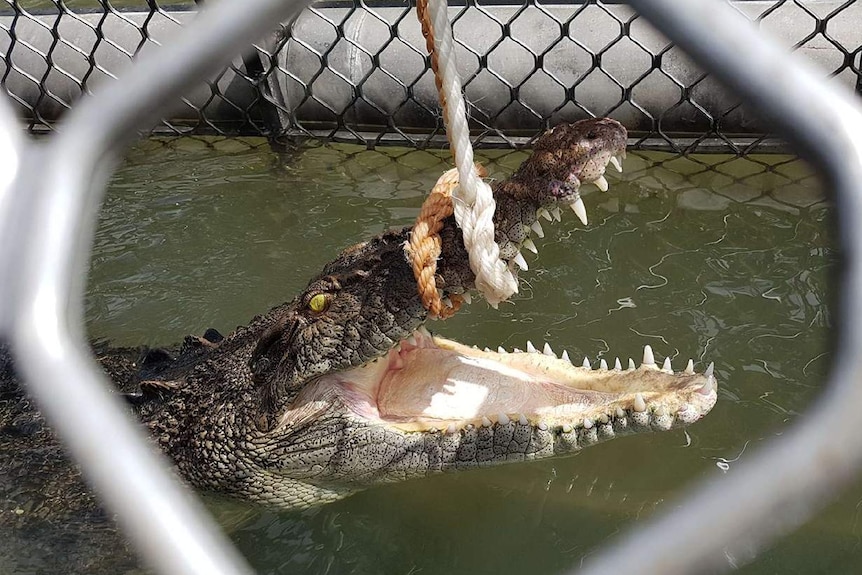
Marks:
<point>357,71</point>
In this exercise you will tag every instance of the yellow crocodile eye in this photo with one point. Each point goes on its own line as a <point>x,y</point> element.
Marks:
<point>318,303</point>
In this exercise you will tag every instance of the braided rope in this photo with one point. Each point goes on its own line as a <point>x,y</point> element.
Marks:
<point>424,246</point>
<point>473,200</point>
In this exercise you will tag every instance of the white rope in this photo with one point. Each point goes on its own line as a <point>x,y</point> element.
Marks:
<point>473,201</point>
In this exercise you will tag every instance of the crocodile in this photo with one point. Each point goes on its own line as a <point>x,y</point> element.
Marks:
<point>344,388</point>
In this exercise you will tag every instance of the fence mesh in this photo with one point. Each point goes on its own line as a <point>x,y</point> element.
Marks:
<point>356,71</point>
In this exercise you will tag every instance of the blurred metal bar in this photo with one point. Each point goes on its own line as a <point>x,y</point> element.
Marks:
<point>725,523</point>
<point>55,201</point>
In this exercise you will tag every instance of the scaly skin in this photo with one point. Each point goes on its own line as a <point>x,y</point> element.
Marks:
<point>342,388</point>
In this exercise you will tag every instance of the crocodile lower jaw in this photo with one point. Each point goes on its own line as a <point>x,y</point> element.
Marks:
<point>433,384</point>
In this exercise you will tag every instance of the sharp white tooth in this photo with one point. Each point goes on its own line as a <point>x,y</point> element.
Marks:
<point>522,263</point>
<point>545,214</point>
<point>617,365</point>
<point>537,228</point>
<point>689,369</point>
<point>710,369</point>
<point>620,412</point>
<point>603,365</point>
<point>666,365</point>
<point>586,364</point>
<point>486,422</point>
<point>548,351</point>
<point>528,243</point>
<point>640,404</point>
<point>649,358</point>
<point>502,419</point>
<point>522,419</point>
<point>412,340</point>
<point>530,347</point>
<point>517,350</point>
<point>601,183</point>
<point>542,426</point>
<point>567,428</point>
<point>558,215</point>
<point>603,418</point>
<point>487,349</point>
<point>501,349</point>
<point>580,210</point>
<point>631,363</point>
<point>468,299</point>
<point>615,162</point>
<point>565,356</point>
<point>588,423</point>
<point>710,384</point>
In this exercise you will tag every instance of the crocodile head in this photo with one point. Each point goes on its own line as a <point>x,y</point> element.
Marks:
<point>344,387</point>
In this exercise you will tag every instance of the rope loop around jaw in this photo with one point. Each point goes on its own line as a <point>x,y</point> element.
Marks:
<point>472,198</point>
<point>424,246</point>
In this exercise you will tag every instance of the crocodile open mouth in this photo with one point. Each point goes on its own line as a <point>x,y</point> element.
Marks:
<point>432,383</point>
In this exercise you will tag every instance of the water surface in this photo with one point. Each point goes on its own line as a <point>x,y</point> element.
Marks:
<point>708,257</point>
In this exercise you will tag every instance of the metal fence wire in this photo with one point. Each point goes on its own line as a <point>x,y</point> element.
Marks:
<point>356,72</point>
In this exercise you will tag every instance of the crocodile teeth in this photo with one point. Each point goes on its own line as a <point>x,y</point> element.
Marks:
<point>631,363</point>
<point>620,412</point>
<point>486,422</point>
<point>522,419</point>
<point>603,365</point>
<point>640,404</point>
<point>649,358</point>
<point>603,418</point>
<point>709,386</point>
<point>580,210</point>
<point>468,299</point>
<point>412,340</point>
<point>565,356</point>
<point>709,370</point>
<point>558,215</point>
<point>530,347</point>
<point>666,365</point>
<point>545,214</point>
<point>588,423</point>
<point>502,419</point>
<point>548,351</point>
<point>522,263</point>
<point>689,369</point>
<point>567,428</point>
<point>501,349</point>
<point>528,243</point>
<point>586,364</point>
<point>615,162</point>
<point>617,365</point>
<point>601,183</point>
<point>537,228</point>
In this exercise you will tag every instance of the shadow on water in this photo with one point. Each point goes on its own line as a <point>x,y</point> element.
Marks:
<point>710,257</point>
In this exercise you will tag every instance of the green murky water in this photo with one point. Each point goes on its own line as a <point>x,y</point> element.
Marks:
<point>703,257</point>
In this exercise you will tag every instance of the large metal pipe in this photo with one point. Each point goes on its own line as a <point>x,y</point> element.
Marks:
<point>363,68</point>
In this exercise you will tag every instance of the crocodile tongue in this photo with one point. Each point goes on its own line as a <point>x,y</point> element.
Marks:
<point>431,383</point>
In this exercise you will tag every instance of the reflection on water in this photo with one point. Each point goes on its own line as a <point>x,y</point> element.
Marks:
<point>709,257</point>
